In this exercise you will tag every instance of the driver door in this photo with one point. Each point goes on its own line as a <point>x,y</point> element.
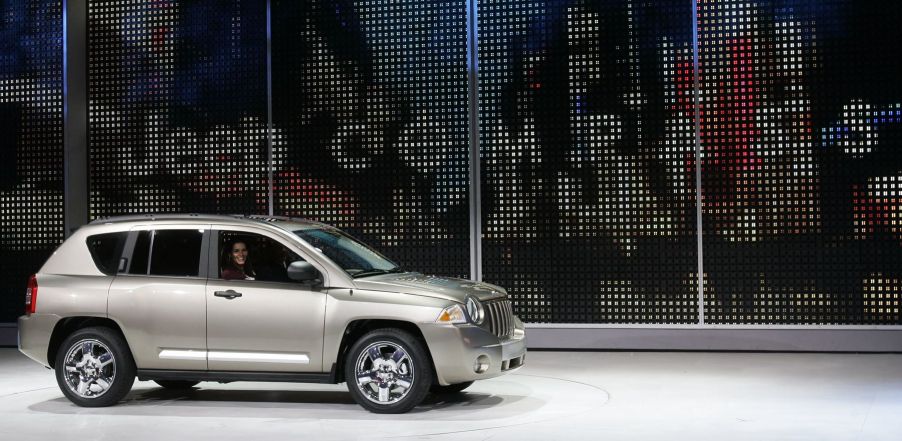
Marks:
<point>265,323</point>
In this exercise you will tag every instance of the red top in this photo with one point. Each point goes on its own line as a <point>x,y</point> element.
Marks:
<point>233,273</point>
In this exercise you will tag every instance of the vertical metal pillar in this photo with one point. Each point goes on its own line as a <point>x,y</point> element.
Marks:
<point>75,114</point>
<point>473,110</point>
<point>698,164</point>
<point>269,132</point>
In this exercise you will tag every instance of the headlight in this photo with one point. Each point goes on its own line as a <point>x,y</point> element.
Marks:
<point>475,313</point>
<point>452,314</point>
<point>475,310</point>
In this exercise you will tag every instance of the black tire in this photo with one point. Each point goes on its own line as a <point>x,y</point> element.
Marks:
<point>413,367</point>
<point>176,384</point>
<point>110,360</point>
<point>450,389</point>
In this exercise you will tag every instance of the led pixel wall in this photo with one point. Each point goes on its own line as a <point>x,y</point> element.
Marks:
<point>370,124</point>
<point>31,144</point>
<point>801,161</point>
<point>587,139</point>
<point>177,107</point>
<point>587,131</point>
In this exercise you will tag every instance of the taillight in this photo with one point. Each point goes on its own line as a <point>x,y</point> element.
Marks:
<point>31,295</point>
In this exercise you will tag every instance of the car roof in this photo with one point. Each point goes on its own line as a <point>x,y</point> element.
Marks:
<point>284,222</point>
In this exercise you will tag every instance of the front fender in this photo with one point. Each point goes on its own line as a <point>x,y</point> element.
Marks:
<point>345,306</point>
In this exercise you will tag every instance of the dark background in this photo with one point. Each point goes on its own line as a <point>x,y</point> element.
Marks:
<point>31,144</point>
<point>587,130</point>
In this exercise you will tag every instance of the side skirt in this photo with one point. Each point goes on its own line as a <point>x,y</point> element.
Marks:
<point>230,376</point>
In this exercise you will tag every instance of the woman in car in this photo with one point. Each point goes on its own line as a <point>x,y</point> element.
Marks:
<point>235,263</point>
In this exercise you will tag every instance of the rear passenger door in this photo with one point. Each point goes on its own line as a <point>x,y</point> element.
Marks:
<point>158,296</point>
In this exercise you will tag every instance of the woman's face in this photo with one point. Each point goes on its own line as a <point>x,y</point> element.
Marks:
<point>239,253</point>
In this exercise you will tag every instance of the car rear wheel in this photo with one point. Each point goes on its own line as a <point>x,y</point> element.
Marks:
<point>388,371</point>
<point>176,384</point>
<point>94,367</point>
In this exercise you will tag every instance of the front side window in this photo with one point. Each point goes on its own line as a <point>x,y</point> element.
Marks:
<point>356,258</point>
<point>250,256</point>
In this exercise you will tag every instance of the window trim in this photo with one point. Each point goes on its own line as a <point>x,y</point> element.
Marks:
<point>128,252</point>
<point>153,235</point>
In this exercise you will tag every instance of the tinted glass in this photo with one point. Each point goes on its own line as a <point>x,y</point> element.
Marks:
<point>176,253</point>
<point>140,254</point>
<point>106,250</point>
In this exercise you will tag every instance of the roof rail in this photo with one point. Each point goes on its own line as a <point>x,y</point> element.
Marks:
<point>207,216</point>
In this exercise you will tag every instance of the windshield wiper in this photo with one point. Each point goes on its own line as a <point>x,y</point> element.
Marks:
<point>377,271</point>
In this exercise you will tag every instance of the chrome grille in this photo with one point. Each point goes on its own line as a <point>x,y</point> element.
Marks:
<point>500,317</point>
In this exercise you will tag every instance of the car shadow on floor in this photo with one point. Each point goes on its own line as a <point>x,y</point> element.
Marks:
<point>259,403</point>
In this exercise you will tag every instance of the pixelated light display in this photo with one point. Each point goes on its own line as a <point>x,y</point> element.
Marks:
<point>370,114</point>
<point>177,107</point>
<point>587,144</point>
<point>31,143</point>
<point>800,161</point>
<point>587,130</point>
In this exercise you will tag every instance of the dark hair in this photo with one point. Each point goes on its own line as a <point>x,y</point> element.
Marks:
<point>225,260</point>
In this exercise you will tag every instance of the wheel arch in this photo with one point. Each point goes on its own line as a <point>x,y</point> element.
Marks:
<point>358,328</point>
<point>66,326</point>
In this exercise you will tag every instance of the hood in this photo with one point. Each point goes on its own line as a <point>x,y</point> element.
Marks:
<point>431,286</point>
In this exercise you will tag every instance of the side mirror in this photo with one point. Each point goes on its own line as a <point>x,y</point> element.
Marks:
<point>301,271</point>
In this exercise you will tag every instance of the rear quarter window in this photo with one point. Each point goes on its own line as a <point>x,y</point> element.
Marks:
<point>106,250</point>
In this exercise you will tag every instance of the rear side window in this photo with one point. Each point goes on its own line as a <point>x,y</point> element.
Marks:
<point>168,252</point>
<point>175,252</point>
<point>106,249</point>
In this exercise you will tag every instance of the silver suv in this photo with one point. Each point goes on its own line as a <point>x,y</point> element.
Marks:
<point>180,299</point>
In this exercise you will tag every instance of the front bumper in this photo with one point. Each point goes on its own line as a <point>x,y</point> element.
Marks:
<point>455,349</point>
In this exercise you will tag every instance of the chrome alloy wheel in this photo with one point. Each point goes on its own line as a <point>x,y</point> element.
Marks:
<point>90,368</point>
<point>384,372</point>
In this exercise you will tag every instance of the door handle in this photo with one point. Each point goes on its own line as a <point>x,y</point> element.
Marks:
<point>230,294</point>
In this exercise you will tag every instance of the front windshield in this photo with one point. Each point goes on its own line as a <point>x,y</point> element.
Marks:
<point>354,257</point>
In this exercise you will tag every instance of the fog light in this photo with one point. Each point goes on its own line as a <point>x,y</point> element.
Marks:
<point>482,364</point>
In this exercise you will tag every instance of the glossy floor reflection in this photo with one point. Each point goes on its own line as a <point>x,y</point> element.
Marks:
<point>558,396</point>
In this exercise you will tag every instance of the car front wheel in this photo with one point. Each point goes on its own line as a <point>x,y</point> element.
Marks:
<point>388,371</point>
<point>94,367</point>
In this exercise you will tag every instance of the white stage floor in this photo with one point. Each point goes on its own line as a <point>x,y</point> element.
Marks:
<point>558,396</point>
